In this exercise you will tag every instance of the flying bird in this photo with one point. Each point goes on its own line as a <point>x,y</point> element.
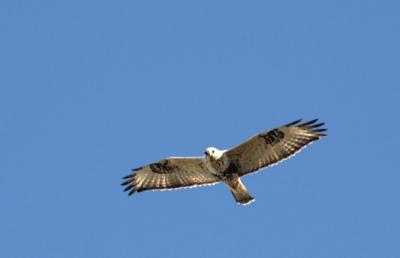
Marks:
<point>226,166</point>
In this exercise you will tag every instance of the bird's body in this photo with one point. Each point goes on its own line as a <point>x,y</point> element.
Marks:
<point>227,166</point>
<point>226,171</point>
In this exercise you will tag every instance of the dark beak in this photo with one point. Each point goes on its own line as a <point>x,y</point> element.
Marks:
<point>206,153</point>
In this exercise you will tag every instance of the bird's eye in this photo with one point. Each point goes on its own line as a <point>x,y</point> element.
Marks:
<point>213,151</point>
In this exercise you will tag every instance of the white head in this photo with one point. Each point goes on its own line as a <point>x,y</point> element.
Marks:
<point>214,153</point>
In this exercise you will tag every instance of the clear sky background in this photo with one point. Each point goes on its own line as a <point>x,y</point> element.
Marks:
<point>91,89</point>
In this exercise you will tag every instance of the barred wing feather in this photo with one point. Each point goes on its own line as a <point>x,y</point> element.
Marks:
<point>271,147</point>
<point>170,173</point>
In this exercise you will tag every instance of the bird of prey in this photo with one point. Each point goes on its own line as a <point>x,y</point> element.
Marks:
<point>227,166</point>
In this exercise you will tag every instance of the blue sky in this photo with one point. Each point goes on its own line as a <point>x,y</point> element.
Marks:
<point>91,89</point>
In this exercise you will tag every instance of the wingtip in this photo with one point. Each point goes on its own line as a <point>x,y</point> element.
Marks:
<point>125,183</point>
<point>316,125</point>
<point>131,192</point>
<point>127,177</point>
<point>128,188</point>
<point>130,182</point>
<point>294,122</point>
<point>320,130</point>
<point>308,123</point>
<point>312,127</point>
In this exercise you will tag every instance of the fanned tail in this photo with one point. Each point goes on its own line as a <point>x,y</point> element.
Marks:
<point>239,191</point>
<point>242,197</point>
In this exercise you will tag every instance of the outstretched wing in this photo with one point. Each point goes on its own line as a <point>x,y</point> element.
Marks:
<point>169,174</point>
<point>270,147</point>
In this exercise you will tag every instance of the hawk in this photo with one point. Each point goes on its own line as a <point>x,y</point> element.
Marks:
<point>228,166</point>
